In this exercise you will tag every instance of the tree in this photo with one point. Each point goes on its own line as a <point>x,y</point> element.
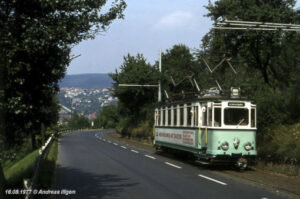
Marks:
<point>264,51</point>
<point>134,103</point>
<point>78,121</point>
<point>2,128</point>
<point>135,70</point>
<point>108,118</point>
<point>178,63</point>
<point>36,39</point>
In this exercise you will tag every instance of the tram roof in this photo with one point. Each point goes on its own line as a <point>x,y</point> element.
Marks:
<point>203,99</point>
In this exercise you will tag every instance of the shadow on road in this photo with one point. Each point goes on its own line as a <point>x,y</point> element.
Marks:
<point>89,185</point>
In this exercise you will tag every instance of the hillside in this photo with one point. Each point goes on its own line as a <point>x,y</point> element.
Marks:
<point>87,81</point>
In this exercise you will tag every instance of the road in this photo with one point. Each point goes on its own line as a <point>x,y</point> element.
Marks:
<point>95,167</point>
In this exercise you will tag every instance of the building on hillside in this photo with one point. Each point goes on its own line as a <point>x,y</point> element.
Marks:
<point>92,116</point>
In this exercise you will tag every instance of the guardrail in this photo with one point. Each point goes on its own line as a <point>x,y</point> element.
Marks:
<point>31,184</point>
<point>37,167</point>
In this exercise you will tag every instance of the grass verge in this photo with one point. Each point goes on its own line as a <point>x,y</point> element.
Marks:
<point>24,168</point>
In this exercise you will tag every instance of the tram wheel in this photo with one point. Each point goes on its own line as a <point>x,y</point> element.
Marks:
<point>241,164</point>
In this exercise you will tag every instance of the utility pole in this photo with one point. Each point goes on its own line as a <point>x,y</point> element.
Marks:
<point>159,81</point>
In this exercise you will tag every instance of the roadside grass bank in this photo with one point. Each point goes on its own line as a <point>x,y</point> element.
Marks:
<point>15,154</point>
<point>20,170</point>
<point>257,174</point>
<point>24,169</point>
<point>284,169</point>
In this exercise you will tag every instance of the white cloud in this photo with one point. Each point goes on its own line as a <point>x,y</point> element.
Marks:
<point>174,20</point>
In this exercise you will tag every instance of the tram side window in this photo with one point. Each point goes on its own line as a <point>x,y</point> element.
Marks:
<point>189,116</point>
<point>181,115</point>
<point>253,119</point>
<point>169,116</point>
<point>217,115</point>
<point>209,116</point>
<point>175,116</point>
<point>196,116</point>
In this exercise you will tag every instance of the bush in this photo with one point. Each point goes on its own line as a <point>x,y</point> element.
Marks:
<point>284,145</point>
<point>143,130</point>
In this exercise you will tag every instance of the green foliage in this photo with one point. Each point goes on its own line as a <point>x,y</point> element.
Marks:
<point>284,146</point>
<point>134,103</point>
<point>107,118</point>
<point>135,70</point>
<point>36,40</point>
<point>177,63</point>
<point>142,130</point>
<point>264,51</point>
<point>77,122</point>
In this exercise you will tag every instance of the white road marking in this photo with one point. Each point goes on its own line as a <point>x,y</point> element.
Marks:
<point>134,151</point>
<point>104,139</point>
<point>115,144</point>
<point>148,156</point>
<point>109,141</point>
<point>208,178</point>
<point>123,147</point>
<point>173,165</point>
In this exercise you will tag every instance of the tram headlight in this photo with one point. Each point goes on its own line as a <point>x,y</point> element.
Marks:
<point>248,146</point>
<point>225,146</point>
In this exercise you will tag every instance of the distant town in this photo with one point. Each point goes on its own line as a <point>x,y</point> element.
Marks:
<point>87,102</point>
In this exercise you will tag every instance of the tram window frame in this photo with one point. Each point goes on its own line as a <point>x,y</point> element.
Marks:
<point>189,115</point>
<point>163,117</point>
<point>204,115</point>
<point>196,115</point>
<point>219,118</point>
<point>169,116</point>
<point>253,117</point>
<point>209,116</point>
<point>174,115</point>
<point>181,115</point>
<point>242,123</point>
<point>156,116</point>
<point>160,121</point>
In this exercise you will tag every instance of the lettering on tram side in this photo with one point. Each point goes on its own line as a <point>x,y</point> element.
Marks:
<point>188,137</point>
<point>176,136</point>
<point>170,135</point>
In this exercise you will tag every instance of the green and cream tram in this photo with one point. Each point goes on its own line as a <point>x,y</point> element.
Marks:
<point>216,129</point>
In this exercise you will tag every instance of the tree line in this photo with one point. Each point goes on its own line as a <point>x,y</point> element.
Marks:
<point>36,37</point>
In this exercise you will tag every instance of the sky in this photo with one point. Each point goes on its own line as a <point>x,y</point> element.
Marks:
<point>148,26</point>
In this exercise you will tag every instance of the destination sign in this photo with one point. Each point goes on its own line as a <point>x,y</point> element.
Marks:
<point>239,104</point>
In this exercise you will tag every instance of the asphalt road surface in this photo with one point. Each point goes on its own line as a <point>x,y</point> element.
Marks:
<point>95,167</point>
